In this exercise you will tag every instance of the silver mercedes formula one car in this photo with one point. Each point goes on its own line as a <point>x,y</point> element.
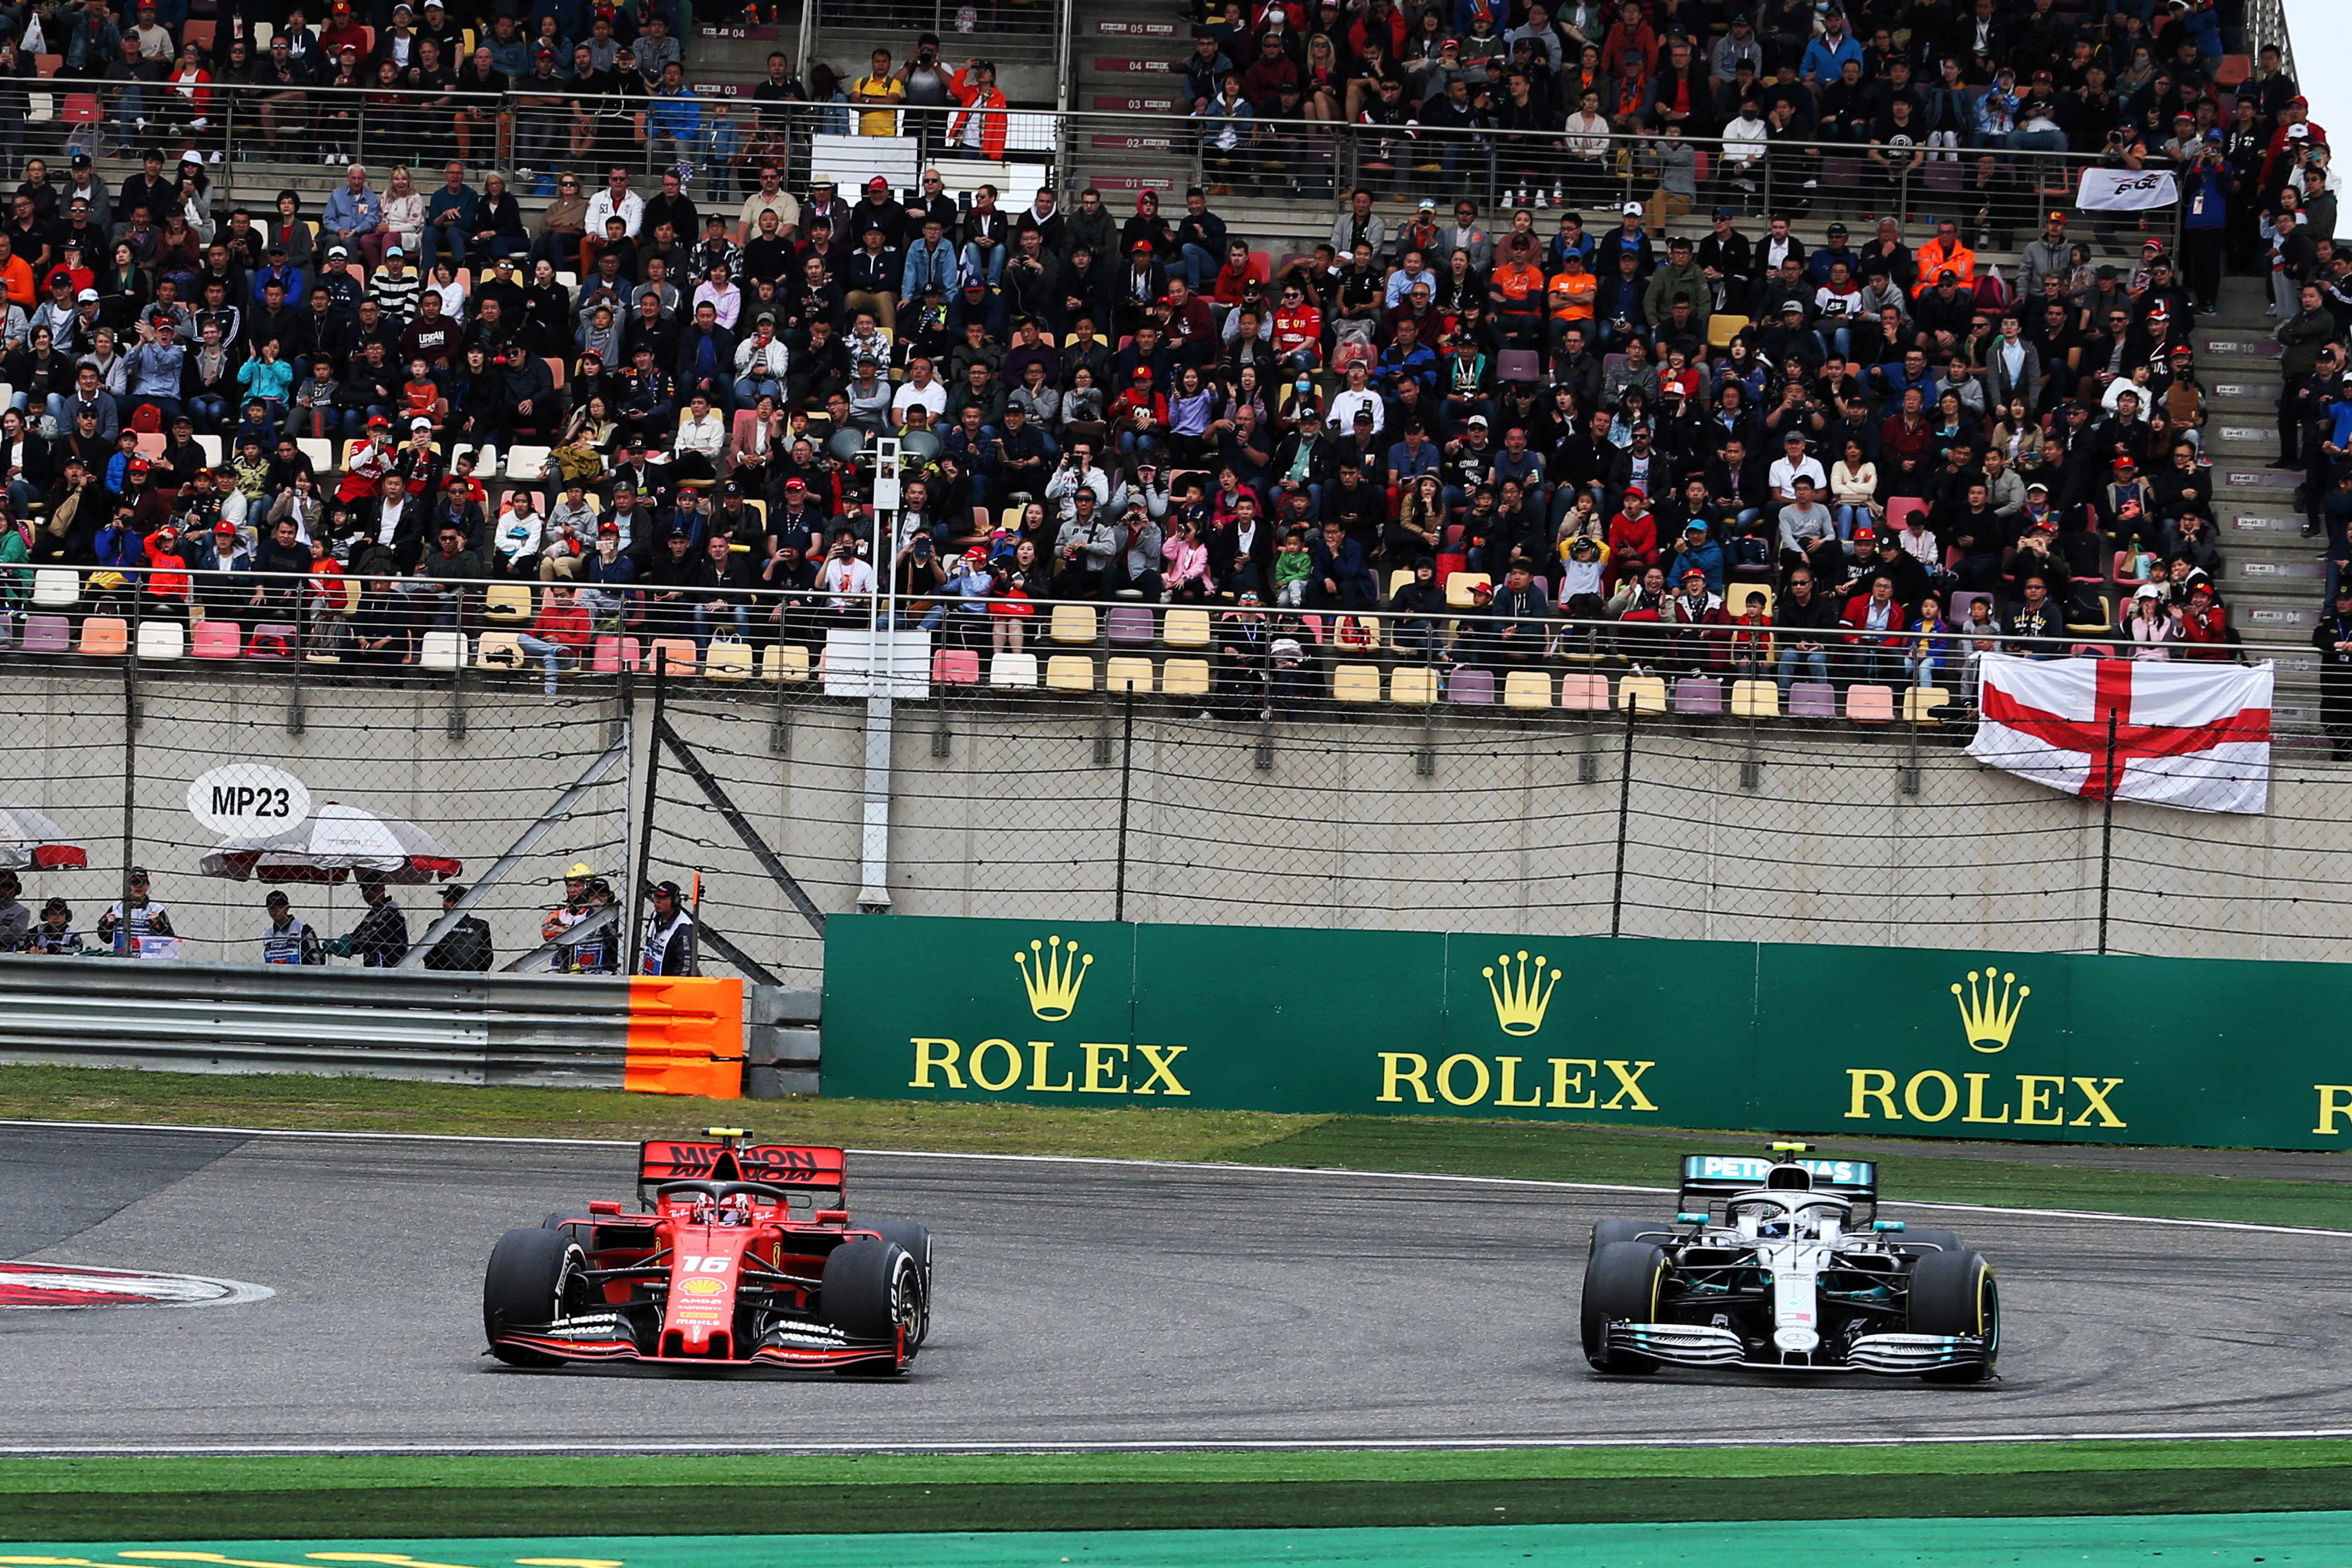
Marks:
<point>1781,1265</point>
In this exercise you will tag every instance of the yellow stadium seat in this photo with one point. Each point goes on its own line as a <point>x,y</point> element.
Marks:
<point>1642,694</point>
<point>1072,624</point>
<point>1924,704</point>
<point>1184,677</point>
<point>1526,688</point>
<point>498,650</point>
<point>1128,673</point>
<point>1413,683</point>
<point>1754,700</point>
<point>1356,683</point>
<point>1069,673</point>
<point>1721,329</point>
<point>1737,597</point>
<point>1185,628</point>
<point>507,602</point>
<point>729,661</point>
<point>784,661</point>
<point>1458,587</point>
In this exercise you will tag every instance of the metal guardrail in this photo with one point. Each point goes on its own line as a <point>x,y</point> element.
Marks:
<point>551,1031</point>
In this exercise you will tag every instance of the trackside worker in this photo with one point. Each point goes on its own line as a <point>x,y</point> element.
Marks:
<point>55,935</point>
<point>466,946</point>
<point>147,918</point>
<point>596,953</point>
<point>570,912</point>
<point>670,935</point>
<point>381,939</point>
<point>288,939</point>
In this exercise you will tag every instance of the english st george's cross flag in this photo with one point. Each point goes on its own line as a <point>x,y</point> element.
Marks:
<point>2197,736</point>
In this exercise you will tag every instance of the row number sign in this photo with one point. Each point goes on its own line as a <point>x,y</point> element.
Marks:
<point>249,800</point>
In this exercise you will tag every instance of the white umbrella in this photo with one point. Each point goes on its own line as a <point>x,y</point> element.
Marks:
<point>29,839</point>
<point>336,841</point>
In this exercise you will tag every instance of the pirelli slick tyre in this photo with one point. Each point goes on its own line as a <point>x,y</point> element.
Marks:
<point>1621,1285</point>
<point>534,1277</point>
<point>870,1288</point>
<point>917,1241</point>
<point>1954,1293</point>
<point>1943,1240</point>
<point>1605,1231</point>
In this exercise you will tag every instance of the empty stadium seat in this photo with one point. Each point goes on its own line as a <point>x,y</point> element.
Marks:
<point>1813,699</point>
<point>785,663</point>
<point>1072,624</point>
<point>729,661</point>
<point>56,588</point>
<point>1070,671</point>
<point>1184,677</point>
<point>1185,627</point>
<point>613,654</point>
<point>673,654</point>
<point>528,464</point>
<point>499,650</point>
<point>1130,625</point>
<point>1128,672</point>
<point>1869,704</point>
<point>1413,683</point>
<point>2104,621</point>
<point>47,634</point>
<point>1012,671</point>
<point>1356,683</point>
<point>105,637</point>
<point>320,451</point>
<point>217,638</point>
<point>955,666</point>
<point>506,602</point>
<point>1458,587</point>
<point>1754,700</point>
<point>1471,688</point>
<point>441,650</point>
<point>1642,694</point>
<point>1584,691</point>
<point>1526,688</point>
<point>163,640</point>
<point>1698,694</point>
<point>1924,704</point>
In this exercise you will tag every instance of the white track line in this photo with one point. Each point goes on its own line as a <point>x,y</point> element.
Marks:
<point>1307,1445</point>
<point>1188,1166</point>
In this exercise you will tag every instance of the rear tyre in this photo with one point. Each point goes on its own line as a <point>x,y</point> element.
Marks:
<point>871,1289</point>
<point>1954,1293</point>
<point>1605,1231</point>
<point>915,1240</point>
<point>1621,1285</point>
<point>534,1277</point>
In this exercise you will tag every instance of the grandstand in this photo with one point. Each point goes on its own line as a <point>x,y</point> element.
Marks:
<point>1255,360</point>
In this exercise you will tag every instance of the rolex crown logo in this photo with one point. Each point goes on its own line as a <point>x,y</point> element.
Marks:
<point>1052,976</point>
<point>1523,993</point>
<point>1989,1004</point>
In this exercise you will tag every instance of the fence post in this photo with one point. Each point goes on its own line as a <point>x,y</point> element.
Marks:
<point>131,719</point>
<point>1624,809</point>
<point>2108,829</point>
<point>1126,778</point>
<point>643,878</point>
<point>458,675</point>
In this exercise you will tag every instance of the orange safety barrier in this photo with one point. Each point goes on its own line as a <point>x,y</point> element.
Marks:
<point>686,1037</point>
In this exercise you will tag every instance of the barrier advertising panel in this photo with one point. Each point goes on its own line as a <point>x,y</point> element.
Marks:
<point>1907,1042</point>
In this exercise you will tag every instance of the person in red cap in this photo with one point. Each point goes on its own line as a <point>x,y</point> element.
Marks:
<point>1632,535</point>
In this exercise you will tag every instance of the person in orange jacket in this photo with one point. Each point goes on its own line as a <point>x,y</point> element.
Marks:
<point>979,130</point>
<point>1945,251</point>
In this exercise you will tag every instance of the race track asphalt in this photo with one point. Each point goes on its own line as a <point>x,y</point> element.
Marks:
<point>1077,1303</point>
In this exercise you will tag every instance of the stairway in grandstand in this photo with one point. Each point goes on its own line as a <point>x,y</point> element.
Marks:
<point>1126,61</point>
<point>2273,578</point>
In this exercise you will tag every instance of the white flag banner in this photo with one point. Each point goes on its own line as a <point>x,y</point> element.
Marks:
<point>2125,190</point>
<point>2196,736</point>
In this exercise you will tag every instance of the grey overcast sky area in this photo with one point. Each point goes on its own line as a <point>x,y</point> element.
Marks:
<point>2322,34</point>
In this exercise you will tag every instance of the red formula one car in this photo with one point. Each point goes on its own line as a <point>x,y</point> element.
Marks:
<point>739,1257</point>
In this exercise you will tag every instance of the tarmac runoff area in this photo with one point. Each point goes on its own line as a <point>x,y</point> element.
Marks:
<point>1080,1304</point>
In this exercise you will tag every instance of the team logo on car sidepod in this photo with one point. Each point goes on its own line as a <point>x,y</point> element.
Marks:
<point>54,1285</point>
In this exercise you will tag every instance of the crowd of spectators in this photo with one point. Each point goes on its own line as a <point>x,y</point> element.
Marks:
<point>1624,422</point>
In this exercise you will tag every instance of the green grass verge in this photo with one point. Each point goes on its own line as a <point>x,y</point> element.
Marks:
<point>232,1499</point>
<point>1544,1151</point>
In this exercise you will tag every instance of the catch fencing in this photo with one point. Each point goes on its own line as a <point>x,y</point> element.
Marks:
<point>780,794</point>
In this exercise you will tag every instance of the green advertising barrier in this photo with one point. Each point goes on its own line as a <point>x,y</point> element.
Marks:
<point>1909,1042</point>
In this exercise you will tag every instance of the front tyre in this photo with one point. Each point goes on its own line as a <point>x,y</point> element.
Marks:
<point>1953,1294</point>
<point>871,1291</point>
<point>1621,1285</point>
<point>1605,1231</point>
<point>534,1277</point>
<point>917,1242</point>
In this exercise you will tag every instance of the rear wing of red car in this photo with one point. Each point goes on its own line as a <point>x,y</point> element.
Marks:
<point>786,1165</point>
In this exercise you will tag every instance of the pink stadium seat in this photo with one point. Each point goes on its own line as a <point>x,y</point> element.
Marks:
<point>955,666</point>
<point>217,639</point>
<point>615,654</point>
